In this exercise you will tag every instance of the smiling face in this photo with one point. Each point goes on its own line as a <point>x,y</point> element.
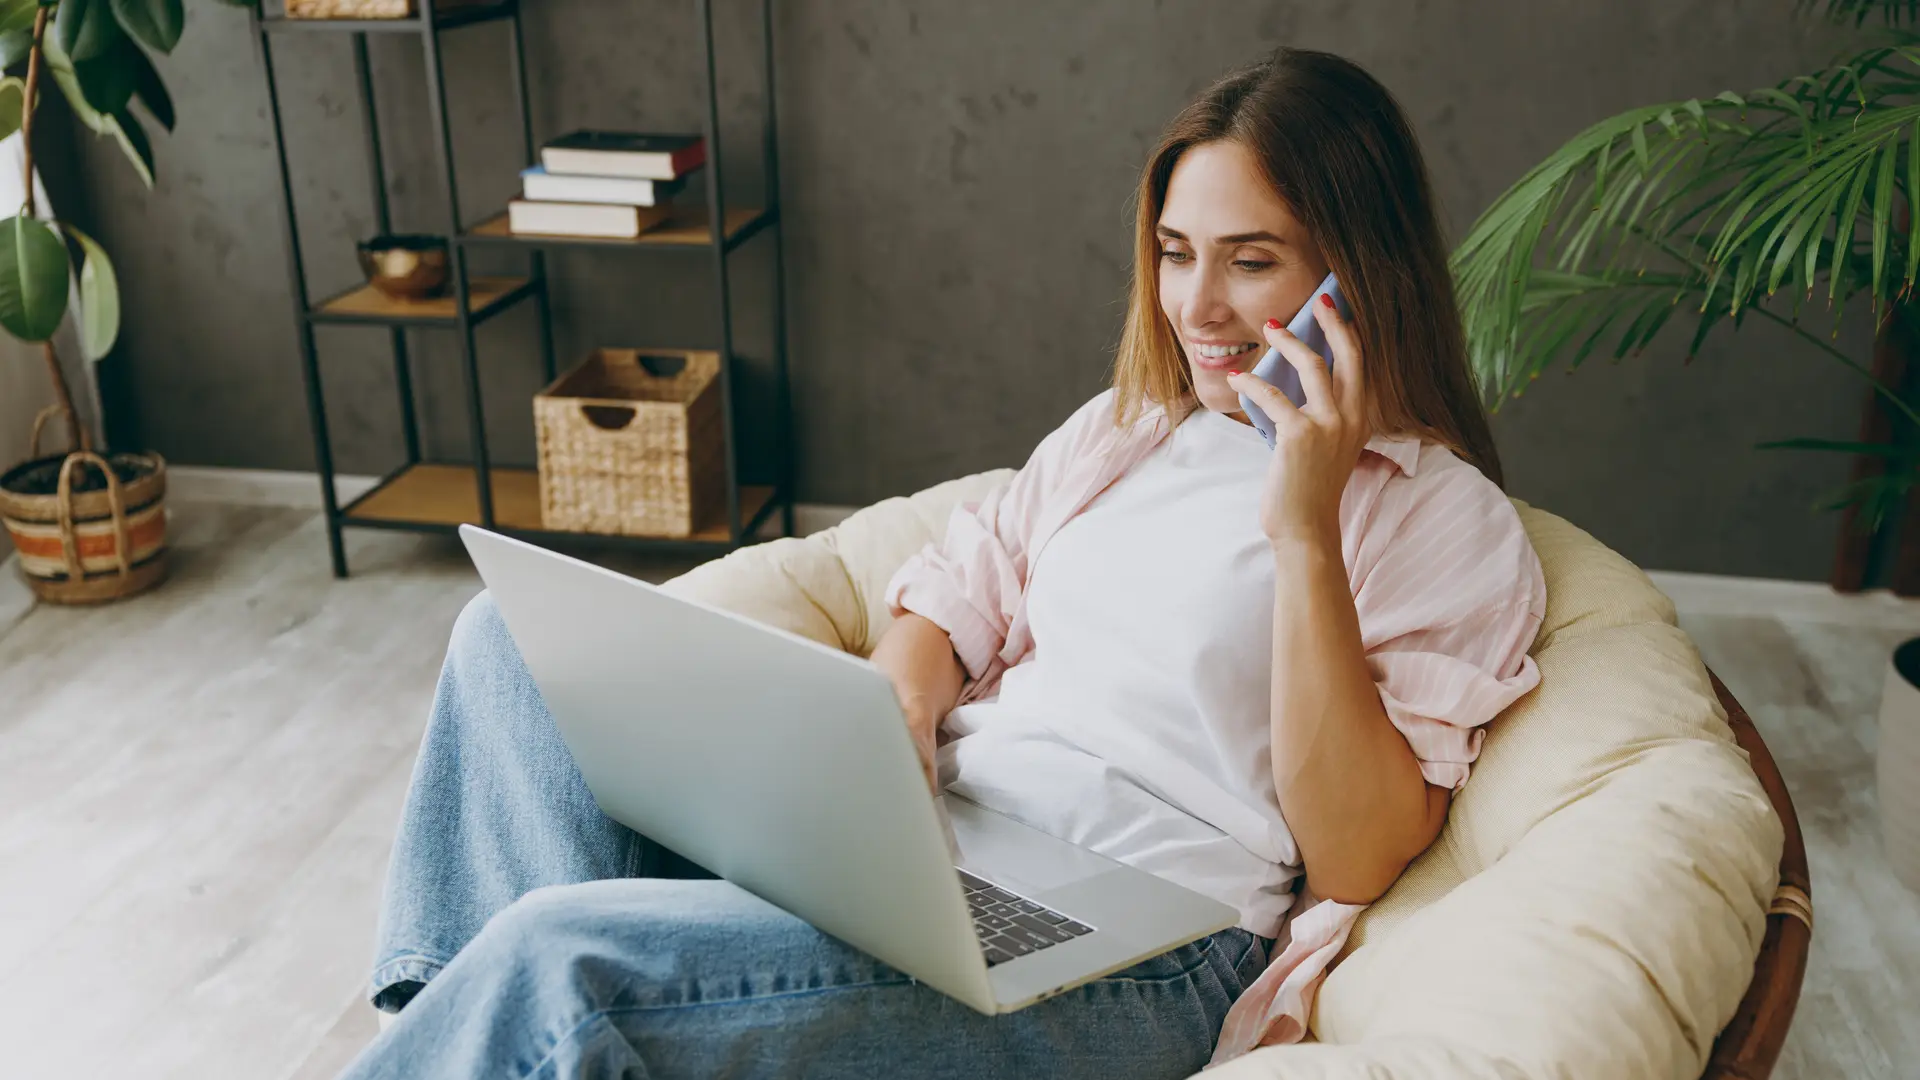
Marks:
<point>1231,257</point>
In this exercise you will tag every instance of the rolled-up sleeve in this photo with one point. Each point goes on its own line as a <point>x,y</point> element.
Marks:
<point>970,581</point>
<point>1448,613</point>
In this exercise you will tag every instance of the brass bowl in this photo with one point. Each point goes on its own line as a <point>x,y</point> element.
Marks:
<point>405,267</point>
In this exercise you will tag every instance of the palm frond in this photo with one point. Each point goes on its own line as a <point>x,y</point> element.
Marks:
<point>1707,208</point>
<point>1859,11</point>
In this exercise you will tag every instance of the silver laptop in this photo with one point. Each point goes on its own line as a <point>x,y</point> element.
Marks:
<point>785,767</point>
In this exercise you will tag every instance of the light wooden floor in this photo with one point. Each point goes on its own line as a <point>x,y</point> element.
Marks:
<point>198,788</point>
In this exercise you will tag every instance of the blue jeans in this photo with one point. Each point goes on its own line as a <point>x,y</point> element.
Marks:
<point>554,942</point>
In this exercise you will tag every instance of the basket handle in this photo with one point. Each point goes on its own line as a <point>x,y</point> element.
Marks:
<point>660,365</point>
<point>70,543</point>
<point>609,417</point>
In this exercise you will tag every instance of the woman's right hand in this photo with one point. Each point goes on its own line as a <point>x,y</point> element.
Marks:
<point>917,657</point>
<point>924,727</point>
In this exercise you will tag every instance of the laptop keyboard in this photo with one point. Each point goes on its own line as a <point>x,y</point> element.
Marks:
<point>1010,926</point>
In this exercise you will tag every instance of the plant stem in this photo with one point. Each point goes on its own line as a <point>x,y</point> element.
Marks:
<point>1760,309</point>
<point>29,97</point>
<point>1879,387</point>
<point>82,439</point>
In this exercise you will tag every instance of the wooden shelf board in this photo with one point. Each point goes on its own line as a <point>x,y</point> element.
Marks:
<point>367,302</point>
<point>447,15</point>
<point>685,229</point>
<point>445,495</point>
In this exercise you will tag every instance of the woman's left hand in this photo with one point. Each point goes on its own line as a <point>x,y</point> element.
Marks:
<point>1315,447</point>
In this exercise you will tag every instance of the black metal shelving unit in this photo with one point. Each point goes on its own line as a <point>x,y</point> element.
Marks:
<point>424,496</point>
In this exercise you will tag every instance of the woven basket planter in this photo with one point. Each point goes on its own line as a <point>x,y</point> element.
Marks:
<point>90,546</point>
<point>631,443</point>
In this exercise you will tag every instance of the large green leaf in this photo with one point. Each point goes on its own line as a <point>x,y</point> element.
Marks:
<point>134,143</point>
<point>60,66</point>
<point>155,23</point>
<point>99,296</point>
<point>152,92</point>
<point>12,96</point>
<point>114,125</point>
<point>86,29</point>
<point>108,80</point>
<point>33,278</point>
<point>16,16</point>
<point>14,46</point>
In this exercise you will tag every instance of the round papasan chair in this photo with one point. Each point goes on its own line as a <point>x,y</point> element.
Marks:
<point>1620,889</point>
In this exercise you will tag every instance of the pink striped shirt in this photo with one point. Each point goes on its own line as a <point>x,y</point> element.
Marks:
<point>1445,582</point>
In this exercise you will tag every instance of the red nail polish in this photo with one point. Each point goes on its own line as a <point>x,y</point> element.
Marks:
<point>1273,324</point>
<point>1233,371</point>
<point>1326,299</point>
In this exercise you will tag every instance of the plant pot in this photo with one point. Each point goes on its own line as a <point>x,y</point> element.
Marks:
<point>82,541</point>
<point>1899,763</point>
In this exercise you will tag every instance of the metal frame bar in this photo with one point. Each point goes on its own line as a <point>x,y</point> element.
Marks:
<point>463,315</point>
<point>716,229</point>
<point>377,176</point>
<point>297,280</point>
<point>538,258</point>
<point>783,393</point>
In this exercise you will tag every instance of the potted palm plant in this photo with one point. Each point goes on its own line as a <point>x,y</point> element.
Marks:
<point>88,524</point>
<point>1709,210</point>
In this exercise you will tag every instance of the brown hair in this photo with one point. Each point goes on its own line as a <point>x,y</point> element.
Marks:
<point>1336,148</point>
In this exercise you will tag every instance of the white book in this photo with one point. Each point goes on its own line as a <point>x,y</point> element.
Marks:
<point>582,219</point>
<point>542,186</point>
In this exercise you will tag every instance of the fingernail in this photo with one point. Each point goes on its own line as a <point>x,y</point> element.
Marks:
<point>1273,324</point>
<point>1233,371</point>
<point>1326,299</point>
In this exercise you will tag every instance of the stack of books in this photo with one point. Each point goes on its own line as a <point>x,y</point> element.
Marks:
<point>604,183</point>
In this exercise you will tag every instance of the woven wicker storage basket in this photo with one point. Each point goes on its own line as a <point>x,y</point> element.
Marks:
<point>630,442</point>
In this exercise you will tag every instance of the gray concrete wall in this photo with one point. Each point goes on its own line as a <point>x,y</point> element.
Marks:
<point>956,179</point>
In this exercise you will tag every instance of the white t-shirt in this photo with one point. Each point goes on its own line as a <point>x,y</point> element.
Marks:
<point>1140,728</point>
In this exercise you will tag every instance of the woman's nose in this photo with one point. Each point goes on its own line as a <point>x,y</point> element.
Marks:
<point>1208,303</point>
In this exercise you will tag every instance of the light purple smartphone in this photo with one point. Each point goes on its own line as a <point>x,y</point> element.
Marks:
<point>1277,370</point>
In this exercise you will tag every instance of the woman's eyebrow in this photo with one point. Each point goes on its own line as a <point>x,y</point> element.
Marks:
<point>1236,238</point>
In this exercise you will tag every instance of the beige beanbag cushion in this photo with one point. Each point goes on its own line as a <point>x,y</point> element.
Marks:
<point>1595,903</point>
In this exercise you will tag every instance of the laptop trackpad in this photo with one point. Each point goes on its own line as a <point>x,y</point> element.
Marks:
<point>1009,853</point>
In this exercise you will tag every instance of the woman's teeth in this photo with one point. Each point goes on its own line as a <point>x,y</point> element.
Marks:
<point>1218,351</point>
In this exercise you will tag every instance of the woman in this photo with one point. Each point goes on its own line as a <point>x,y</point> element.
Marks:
<point>1225,664</point>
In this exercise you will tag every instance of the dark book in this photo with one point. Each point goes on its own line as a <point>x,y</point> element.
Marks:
<point>617,153</point>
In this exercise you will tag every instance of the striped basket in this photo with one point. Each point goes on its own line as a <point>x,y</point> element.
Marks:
<point>631,443</point>
<point>90,546</point>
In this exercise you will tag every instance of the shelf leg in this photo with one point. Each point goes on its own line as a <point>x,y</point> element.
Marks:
<point>716,224</point>
<point>539,258</point>
<point>443,136</point>
<point>383,223</point>
<point>783,403</point>
<point>403,383</point>
<point>309,361</point>
<point>322,448</point>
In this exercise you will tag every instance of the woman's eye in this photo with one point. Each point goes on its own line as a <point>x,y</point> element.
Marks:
<point>1174,256</point>
<point>1251,264</point>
